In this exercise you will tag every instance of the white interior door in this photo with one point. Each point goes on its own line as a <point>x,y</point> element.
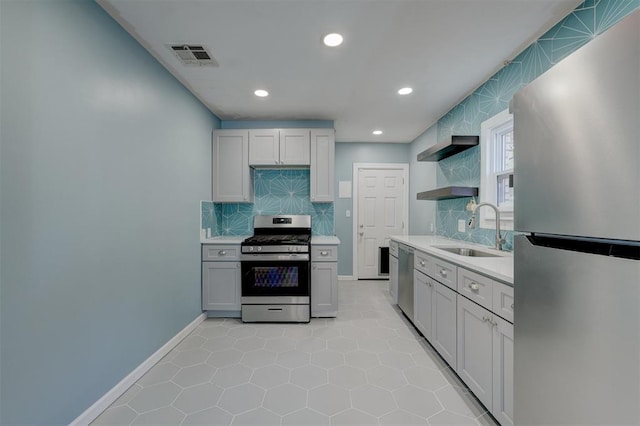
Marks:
<point>381,204</point>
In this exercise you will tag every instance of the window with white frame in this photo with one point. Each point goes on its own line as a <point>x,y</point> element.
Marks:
<point>496,141</point>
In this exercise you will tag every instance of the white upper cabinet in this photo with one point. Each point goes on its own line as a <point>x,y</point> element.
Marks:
<point>279,147</point>
<point>295,147</point>
<point>231,174</point>
<point>322,165</point>
<point>264,147</point>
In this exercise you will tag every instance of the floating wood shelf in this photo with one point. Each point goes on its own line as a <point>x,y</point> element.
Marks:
<point>448,193</point>
<point>448,148</point>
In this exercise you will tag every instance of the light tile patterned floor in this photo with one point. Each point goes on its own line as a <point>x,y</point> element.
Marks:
<point>367,367</point>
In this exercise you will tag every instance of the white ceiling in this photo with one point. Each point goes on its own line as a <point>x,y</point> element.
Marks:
<point>444,49</point>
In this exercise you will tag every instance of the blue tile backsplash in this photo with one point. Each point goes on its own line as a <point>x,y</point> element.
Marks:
<point>283,191</point>
<point>587,21</point>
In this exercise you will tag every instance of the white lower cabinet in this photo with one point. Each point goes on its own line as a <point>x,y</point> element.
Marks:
<point>502,408</point>
<point>324,281</point>
<point>434,310</point>
<point>422,303</point>
<point>468,319</point>
<point>443,323</point>
<point>221,279</point>
<point>485,358</point>
<point>475,349</point>
<point>221,286</point>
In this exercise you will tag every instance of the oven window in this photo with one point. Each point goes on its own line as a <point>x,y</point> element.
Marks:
<point>275,276</point>
<point>280,278</point>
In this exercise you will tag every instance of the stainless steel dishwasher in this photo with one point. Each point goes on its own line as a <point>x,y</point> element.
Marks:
<point>405,280</point>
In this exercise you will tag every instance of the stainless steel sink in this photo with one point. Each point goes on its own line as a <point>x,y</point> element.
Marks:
<point>464,251</point>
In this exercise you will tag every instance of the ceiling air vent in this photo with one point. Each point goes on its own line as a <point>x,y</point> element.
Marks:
<point>193,54</point>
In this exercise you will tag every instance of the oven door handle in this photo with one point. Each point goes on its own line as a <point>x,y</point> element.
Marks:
<point>264,257</point>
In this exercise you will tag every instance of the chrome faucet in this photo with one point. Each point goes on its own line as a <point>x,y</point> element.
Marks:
<point>472,223</point>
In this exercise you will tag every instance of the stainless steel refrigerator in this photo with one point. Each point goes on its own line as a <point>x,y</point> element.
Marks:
<point>577,267</point>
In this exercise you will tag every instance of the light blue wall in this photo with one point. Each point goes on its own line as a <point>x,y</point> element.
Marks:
<point>586,22</point>
<point>422,213</point>
<point>104,157</point>
<point>346,155</point>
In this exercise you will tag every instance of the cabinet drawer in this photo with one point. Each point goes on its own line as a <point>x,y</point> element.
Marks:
<point>476,287</point>
<point>423,262</point>
<point>503,300</point>
<point>445,272</point>
<point>324,253</point>
<point>393,248</point>
<point>220,252</point>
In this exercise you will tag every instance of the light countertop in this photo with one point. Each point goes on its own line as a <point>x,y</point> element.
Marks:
<point>328,240</point>
<point>325,240</point>
<point>225,239</point>
<point>499,268</point>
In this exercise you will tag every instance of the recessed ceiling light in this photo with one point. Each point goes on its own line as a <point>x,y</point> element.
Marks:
<point>405,91</point>
<point>377,132</point>
<point>332,40</point>
<point>261,93</point>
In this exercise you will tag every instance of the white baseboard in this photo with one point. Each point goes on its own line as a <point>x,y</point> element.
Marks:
<point>346,278</point>
<point>91,413</point>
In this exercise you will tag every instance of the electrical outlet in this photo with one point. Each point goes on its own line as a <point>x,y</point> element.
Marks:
<point>461,225</point>
<point>431,227</point>
<point>348,213</point>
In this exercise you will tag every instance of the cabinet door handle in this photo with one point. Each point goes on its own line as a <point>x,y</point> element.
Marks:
<point>324,253</point>
<point>422,263</point>
<point>512,306</point>
<point>222,253</point>
<point>443,272</point>
<point>474,286</point>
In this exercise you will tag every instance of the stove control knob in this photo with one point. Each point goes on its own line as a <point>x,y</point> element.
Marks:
<point>250,249</point>
<point>259,248</point>
<point>290,248</point>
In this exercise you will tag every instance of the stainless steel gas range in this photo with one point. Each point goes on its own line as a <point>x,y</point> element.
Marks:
<point>275,262</point>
